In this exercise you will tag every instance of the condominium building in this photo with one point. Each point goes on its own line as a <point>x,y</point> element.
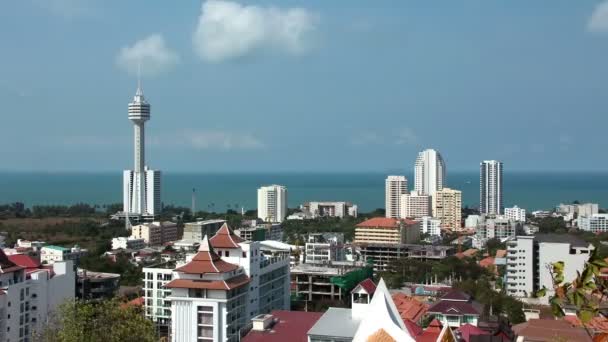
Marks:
<point>128,242</point>
<point>395,186</point>
<point>330,209</point>
<point>597,223</point>
<point>217,290</point>
<point>324,249</point>
<point>447,206</point>
<point>387,230</point>
<point>312,282</point>
<point>584,209</point>
<point>272,203</point>
<point>431,226</point>
<point>30,293</point>
<point>515,214</point>
<point>50,254</point>
<point>261,232</point>
<point>529,260</point>
<point>472,221</point>
<point>490,187</point>
<point>96,285</point>
<point>381,255</point>
<point>429,172</point>
<point>197,230</point>
<point>415,205</point>
<point>495,228</point>
<point>156,233</point>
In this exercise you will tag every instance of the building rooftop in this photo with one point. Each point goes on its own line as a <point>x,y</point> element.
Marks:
<point>24,260</point>
<point>410,309</point>
<point>84,274</point>
<point>336,322</point>
<point>550,330</point>
<point>288,326</point>
<point>384,222</point>
<point>368,285</point>
<point>574,241</point>
<point>225,238</point>
<point>57,248</point>
<point>206,261</point>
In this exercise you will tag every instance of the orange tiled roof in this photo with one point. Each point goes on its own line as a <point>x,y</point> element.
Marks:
<point>384,222</point>
<point>597,324</point>
<point>229,284</point>
<point>486,262</point>
<point>409,308</point>
<point>501,253</point>
<point>431,333</point>
<point>225,238</point>
<point>207,261</point>
<point>380,336</point>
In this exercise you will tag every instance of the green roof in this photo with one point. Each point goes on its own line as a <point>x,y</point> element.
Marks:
<point>57,248</point>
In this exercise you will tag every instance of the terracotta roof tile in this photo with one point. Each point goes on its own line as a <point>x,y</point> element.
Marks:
<point>225,238</point>
<point>549,330</point>
<point>24,260</point>
<point>467,330</point>
<point>229,284</point>
<point>380,336</point>
<point>206,261</point>
<point>368,285</point>
<point>409,308</point>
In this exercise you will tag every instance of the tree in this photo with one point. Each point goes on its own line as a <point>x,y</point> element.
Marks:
<point>82,321</point>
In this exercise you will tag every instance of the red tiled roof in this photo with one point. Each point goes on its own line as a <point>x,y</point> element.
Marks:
<point>486,262</point>
<point>207,261</point>
<point>139,301</point>
<point>291,326</point>
<point>6,265</point>
<point>431,333</point>
<point>384,222</point>
<point>24,260</point>
<point>229,284</point>
<point>598,324</point>
<point>413,328</point>
<point>467,330</point>
<point>550,329</point>
<point>409,308</point>
<point>225,238</point>
<point>453,308</point>
<point>368,285</point>
<point>456,295</point>
<point>501,253</point>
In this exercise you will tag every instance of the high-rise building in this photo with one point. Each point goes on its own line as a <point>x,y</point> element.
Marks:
<point>429,172</point>
<point>395,187</point>
<point>330,209</point>
<point>141,186</point>
<point>415,205</point>
<point>528,257</point>
<point>272,203</point>
<point>490,187</point>
<point>447,206</point>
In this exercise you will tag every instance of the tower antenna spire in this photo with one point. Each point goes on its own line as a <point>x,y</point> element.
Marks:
<point>139,76</point>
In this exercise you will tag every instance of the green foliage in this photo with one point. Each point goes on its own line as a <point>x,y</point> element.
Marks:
<point>499,302</point>
<point>82,321</point>
<point>551,225</point>
<point>130,274</point>
<point>297,230</point>
<point>493,245</point>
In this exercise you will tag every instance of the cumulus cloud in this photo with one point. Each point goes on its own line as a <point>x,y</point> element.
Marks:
<point>151,53</point>
<point>228,30</point>
<point>222,140</point>
<point>599,19</point>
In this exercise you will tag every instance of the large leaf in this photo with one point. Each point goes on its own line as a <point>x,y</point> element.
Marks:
<point>585,315</point>
<point>542,292</point>
<point>558,266</point>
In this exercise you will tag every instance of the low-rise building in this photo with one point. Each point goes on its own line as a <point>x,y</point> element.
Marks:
<point>495,228</point>
<point>330,209</point>
<point>197,230</point>
<point>455,309</point>
<point>96,285</point>
<point>472,221</point>
<point>581,209</point>
<point>515,214</point>
<point>383,254</point>
<point>324,248</point>
<point>156,233</point>
<point>261,232</point>
<point>128,242</point>
<point>387,230</point>
<point>596,223</point>
<point>51,253</point>
<point>313,282</point>
<point>431,226</point>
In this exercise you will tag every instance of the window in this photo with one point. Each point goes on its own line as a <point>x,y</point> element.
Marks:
<point>244,254</point>
<point>227,253</point>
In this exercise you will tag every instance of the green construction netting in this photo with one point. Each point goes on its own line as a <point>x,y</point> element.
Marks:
<point>351,279</point>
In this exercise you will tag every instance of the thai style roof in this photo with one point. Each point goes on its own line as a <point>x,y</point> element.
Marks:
<point>229,284</point>
<point>367,284</point>
<point>382,315</point>
<point>431,333</point>
<point>225,238</point>
<point>410,309</point>
<point>206,261</point>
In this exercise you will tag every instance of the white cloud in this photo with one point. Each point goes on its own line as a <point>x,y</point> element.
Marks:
<point>151,52</point>
<point>599,19</point>
<point>228,30</point>
<point>221,140</point>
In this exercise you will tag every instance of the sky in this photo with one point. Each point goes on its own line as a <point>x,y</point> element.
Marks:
<point>306,86</point>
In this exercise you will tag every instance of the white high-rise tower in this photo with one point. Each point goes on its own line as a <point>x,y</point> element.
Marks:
<point>429,172</point>
<point>490,187</point>
<point>395,186</point>
<point>272,203</point>
<point>141,185</point>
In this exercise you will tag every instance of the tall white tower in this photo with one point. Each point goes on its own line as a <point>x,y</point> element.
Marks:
<point>429,172</point>
<point>272,203</point>
<point>490,187</point>
<point>141,185</point>
<point>395,186</point>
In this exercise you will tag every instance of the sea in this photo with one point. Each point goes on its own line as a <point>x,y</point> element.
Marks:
<point>221,191</point>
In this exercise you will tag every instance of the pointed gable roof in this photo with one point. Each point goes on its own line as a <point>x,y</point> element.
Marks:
<point>382,314</point>
<point>368,285</point>
<point>456,295</point>
<point>225,238</point>
<point>381,336</point>
<point>206,261</point>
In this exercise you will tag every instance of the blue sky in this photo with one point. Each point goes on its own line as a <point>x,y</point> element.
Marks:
<point>304,85</point>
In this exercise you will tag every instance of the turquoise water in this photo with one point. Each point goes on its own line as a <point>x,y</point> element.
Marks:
<point>531,190</point>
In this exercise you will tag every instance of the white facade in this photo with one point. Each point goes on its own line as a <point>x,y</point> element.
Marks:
<point>431,226</point>
<point>529,260</point>
<point>597,223</point>
<point>395,186</point>
<point>27,302</point>
<point>490,187</point>
<point>415,205</point>
<point>429,172</point>
<point>156,297</point>
<point>331,209</point>
<point>472,221</point>
<point>585,209</point>
<point>515,214</point>
<point>141,186</point>
<point>128,243</point>
<point>52,254</point>
<point>272,203</point>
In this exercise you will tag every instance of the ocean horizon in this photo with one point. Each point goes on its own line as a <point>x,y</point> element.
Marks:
<point>532,190</point>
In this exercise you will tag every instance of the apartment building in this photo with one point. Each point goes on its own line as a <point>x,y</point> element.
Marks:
<point>431,226</point>
<point>128,242</point>
<point>415,205</point>
<point>529,259</point>
<point>515,214</point>
<point>330,209</point>
<point>323,249</point>
<point>50,254</point>
<point>30,292</point>
<point>197,230</point>
<point>228,281</point>
<point>261,232</point>
<point>447,206</point>
<point>381,255</point>
<point>596,223</point>
<point>272,203</point>
<point>156,233</point>
<point>395,186</point>
<point>490,187</point>
<point>96,285</point>
<point>387,230</point>
<point>313,282</point>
